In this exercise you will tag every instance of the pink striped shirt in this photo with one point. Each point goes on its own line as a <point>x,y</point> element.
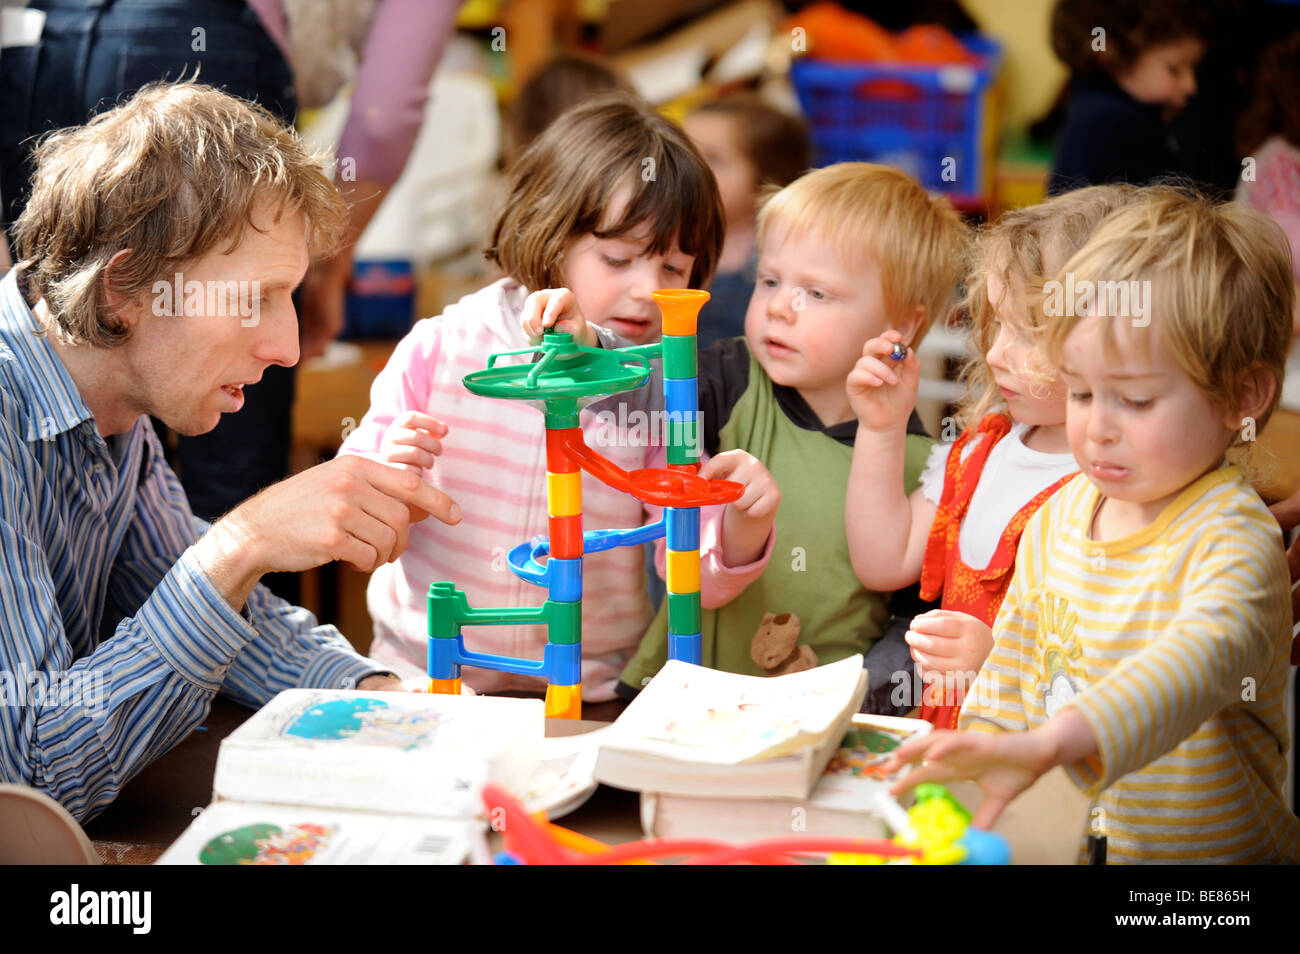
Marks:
<point>494,464</point>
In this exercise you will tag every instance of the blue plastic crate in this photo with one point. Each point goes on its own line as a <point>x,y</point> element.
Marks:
<point>912,116</point>
<point>380,303</point>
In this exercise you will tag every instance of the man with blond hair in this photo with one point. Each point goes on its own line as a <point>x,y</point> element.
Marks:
<point>154,267</point>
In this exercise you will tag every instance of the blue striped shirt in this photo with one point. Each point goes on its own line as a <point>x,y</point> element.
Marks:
<point>113,641</point>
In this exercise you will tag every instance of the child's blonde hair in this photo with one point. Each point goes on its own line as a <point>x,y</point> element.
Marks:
<point>1022,249</point>
<point>562,186</point>
<point>1222,290</point>
<point>919,242</point>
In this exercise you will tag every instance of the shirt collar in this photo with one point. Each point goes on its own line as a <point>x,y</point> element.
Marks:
<point>796,408</point>
<point>45,390</point>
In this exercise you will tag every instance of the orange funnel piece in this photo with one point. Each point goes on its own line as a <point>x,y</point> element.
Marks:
<point>681,308</point>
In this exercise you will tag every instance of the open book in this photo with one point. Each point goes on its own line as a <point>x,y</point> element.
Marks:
<point>328,776</point>
<point>702,732</point>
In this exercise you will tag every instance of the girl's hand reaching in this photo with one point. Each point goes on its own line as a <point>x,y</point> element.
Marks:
<point>556,310</point>
<point>882,391</point>
<point>412,442</point>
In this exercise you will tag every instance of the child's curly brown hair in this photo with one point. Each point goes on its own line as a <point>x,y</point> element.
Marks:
<point>1131,28</point>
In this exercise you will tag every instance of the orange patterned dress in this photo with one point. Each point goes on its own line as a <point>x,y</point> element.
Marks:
<point>966,590</point>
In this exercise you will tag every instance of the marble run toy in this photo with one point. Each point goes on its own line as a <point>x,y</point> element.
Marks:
<point>938,834</point>
<point>564,377</point>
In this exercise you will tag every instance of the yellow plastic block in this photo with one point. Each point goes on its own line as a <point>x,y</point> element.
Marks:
<point>449,687</point>
<point>683,571</point>
<point>564,702</point>
<point>563,494</point>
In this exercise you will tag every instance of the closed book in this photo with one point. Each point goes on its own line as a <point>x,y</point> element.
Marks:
<point>404,752</point>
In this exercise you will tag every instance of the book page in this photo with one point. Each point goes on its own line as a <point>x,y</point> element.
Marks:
<point>693,714</point>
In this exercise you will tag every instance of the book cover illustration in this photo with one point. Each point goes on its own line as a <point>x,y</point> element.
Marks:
<point>267,844</point>
<point>362,721</point>
<point>867,747</point>
<point>243,833</point>
<point>853,779</point>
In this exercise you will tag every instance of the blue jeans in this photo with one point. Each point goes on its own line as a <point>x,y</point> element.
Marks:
<point>94,54</point>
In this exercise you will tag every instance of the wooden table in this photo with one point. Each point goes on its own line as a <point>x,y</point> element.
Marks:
<point>1043,826</point>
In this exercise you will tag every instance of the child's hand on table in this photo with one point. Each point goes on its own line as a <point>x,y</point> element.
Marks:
<point>947,641</point>
<point>1003,764</point>
<point>556,310</point>
<point>882,391</point>
<point>747,522</point>
<point>412,442</point>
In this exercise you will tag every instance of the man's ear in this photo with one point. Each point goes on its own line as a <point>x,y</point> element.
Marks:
<point>1255,392</point>
<point>125,310</point>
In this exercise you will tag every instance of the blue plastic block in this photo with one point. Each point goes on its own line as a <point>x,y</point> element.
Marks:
<point>686,648</point>
<point>566,579</point>
<point>683,528</point>
<point>683,395</point>
<point>563,663</point>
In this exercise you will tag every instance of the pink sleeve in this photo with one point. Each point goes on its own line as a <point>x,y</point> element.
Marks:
<point>1277,193</point>
<point>403,385</point>
<point>405,42</point>
<point>719,583</point>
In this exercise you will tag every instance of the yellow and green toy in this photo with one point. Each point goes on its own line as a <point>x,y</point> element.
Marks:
<point>938,826</point>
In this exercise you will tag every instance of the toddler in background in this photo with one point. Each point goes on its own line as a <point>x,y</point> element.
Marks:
<point>749,145</point>
<point>1133,66</point>
<point>579,214</point>
<point>1143,642</point>
<point>564,81</point>
<point>845,252</point>
<point>957,533</point>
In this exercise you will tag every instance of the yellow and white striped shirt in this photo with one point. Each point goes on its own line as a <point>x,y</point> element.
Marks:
<point>1173,642</point>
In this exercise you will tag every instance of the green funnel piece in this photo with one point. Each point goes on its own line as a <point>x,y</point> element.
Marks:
<point>565,370</point>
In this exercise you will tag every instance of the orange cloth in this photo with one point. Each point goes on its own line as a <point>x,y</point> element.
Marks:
<point>967,590</point>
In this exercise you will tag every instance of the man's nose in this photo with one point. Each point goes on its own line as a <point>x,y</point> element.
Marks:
<point>277,335</point>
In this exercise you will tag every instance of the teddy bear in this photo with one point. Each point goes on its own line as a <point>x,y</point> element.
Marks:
<point>775,648</point>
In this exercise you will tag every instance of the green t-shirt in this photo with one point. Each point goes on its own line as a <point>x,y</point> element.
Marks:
<point>810,573</point>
